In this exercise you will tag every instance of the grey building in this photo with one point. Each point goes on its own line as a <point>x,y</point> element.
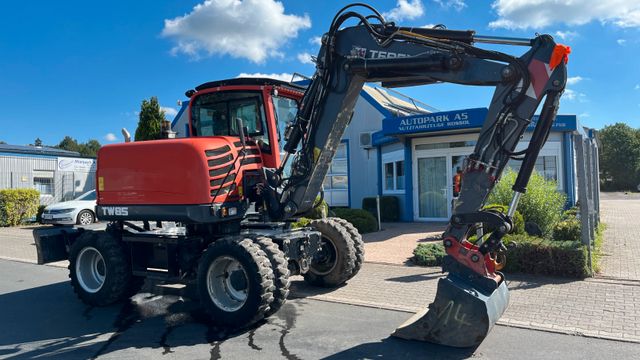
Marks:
<point>57,174</point>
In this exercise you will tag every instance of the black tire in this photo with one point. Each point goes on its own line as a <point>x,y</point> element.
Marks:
<point>279,265</point>
<point>85,217</point>
<point>334,265</point>
<point>358,243</point>
<point>257,277</point>
<point>117,283</point>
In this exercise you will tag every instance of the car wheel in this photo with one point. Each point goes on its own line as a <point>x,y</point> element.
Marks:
<point>85,217</point>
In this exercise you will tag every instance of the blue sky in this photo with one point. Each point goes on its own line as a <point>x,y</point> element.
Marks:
<point>81,69</point>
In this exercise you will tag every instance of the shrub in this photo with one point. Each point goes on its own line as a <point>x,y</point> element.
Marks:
<point>302,222</point>
<point>318,212</point>
<point>541,204</point>
<point>389,207</point>
<point>430,254</point>
<point>361,219</point>
<point>531,255</point>
<point>539,256</point>
<point>17,205</point>
<point>567,230</point>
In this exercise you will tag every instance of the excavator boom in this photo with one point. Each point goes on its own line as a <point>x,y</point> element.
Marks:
<point>474,295</point>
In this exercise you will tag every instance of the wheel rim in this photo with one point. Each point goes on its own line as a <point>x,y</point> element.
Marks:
<point>326,259</point>
<point>90,269</point>
<point>86,218</point>
<point>227,283</point>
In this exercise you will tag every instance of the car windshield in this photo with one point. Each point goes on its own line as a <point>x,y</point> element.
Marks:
<point>88,196</point>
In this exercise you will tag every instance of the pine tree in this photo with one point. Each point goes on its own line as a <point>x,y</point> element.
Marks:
<point>150,121</point>
<point>37,142</point>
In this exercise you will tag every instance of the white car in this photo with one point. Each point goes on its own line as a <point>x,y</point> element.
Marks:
<point>78,211</point>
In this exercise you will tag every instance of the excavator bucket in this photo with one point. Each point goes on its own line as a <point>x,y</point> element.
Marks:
<point>460,315</point>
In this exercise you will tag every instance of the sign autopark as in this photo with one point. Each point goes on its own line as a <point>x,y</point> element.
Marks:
<point>455,120</point>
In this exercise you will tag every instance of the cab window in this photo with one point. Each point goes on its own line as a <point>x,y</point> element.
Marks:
<point>285,110</point>
<point>214,114</point>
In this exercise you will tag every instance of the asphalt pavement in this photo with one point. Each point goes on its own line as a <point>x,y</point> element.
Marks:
<point>42,318</point>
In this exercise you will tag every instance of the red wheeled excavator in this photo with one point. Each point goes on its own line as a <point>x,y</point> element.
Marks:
<point>215,209</point>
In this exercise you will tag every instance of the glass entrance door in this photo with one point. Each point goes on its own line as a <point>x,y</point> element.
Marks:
<point>433,188</point>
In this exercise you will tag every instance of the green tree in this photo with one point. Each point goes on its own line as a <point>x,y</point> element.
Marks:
<point>90,148</point>
<point>150,120</point>
<point>620,157</point>
<point>69,144</point>
<point>2,142</point>
<point>37,142</point>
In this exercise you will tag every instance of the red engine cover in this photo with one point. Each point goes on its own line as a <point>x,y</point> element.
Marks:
<point>174,172</point>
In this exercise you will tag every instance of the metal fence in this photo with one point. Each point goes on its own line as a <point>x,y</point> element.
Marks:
<point>588,173</point>
<point>54,186</point>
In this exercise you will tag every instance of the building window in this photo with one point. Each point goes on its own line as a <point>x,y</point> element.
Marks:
<point>393,172</point>
<point>336,183</point>
<point>545,165</point>
<point>44,185</point>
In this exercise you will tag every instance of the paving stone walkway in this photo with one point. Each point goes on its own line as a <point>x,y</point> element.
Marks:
<point>621,248</point>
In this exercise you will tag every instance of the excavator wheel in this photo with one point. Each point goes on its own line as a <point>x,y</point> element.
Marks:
<point>358,243</point>
<point>235,282</point>
<point>279,265</point>
<point>100,269</point>
<point>335,263</point>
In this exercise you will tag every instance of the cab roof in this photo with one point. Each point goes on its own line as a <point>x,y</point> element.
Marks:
<point>250,81</point>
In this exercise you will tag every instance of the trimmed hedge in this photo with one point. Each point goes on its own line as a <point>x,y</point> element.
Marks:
<point>17,205</point>
<point>531,256</point>
<point>430,254</point>
<point>389,207</point>
<point>361,219</point>
<point>547,257</point>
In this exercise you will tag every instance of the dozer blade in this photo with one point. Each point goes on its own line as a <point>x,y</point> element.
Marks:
<point>460,315</point>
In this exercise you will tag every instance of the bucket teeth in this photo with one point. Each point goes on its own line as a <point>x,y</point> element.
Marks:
<point>460,316</point>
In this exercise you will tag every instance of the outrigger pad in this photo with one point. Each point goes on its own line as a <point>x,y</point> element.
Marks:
<point>460,315</point>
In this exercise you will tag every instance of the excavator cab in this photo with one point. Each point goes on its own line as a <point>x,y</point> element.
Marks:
<point>263,105</point>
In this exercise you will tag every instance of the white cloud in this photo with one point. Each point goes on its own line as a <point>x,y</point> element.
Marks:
<point>572,95</point>
<point>316,40</point>
<point>405,9</point>
<point>305,58</point>
<point>458,5</point>
<point>584,115</point>
<point>637,87</point>
<point>251,29</point>
<point>169,111</point>
<point>621,42</point>
<point>110,137</point>
<point>282,76</point>
<point>574,80</point>
<point>566,35</point>
<point>523,14</point>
